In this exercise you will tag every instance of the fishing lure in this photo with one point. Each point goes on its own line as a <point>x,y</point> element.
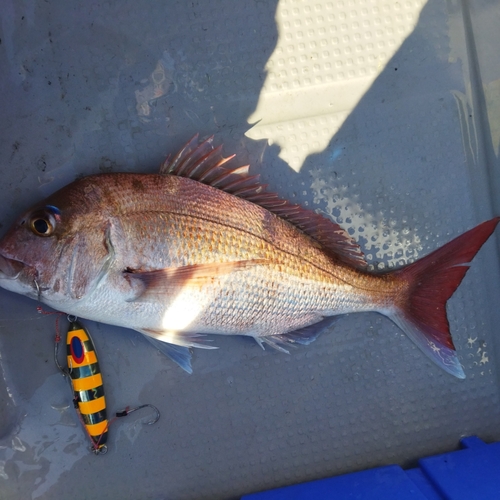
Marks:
<point>86,381</point>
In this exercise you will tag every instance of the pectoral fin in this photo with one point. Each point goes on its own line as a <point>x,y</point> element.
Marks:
<point>303,336</point>
<point>161,282</point>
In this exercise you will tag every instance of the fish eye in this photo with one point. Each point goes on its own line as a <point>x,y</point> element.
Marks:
<point>41,226</point>
<point>43,222</point>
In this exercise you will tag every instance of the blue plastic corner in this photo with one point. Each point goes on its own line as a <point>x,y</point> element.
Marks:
<point>473,472</point>
<point>470,473</point>
<point>388,483</point>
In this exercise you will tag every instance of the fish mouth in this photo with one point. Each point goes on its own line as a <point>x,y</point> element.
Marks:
<point>10,268</point>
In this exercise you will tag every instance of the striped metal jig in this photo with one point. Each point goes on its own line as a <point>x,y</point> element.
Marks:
<point>86,380</point>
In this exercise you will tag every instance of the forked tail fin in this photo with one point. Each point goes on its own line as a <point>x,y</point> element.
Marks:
<point>431,281</point>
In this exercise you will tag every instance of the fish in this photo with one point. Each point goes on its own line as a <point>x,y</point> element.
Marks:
<point>204,248</point>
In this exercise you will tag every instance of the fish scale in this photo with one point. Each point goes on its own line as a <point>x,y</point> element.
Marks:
<point>219,241</point>
<point>208,205</point>
<point>303,288</point>
<point>201,248</point>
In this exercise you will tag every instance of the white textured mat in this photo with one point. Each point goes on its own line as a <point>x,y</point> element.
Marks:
<point>384,115</point>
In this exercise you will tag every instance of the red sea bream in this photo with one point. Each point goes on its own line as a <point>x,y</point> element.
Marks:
<point>202,249</point>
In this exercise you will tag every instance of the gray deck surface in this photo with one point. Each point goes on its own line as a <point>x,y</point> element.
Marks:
<point>383,115</point>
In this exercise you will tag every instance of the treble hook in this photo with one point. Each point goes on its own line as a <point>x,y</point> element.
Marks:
<point>126,411</point>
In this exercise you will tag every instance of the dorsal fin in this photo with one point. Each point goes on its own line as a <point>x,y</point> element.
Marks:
<point>204,163</point>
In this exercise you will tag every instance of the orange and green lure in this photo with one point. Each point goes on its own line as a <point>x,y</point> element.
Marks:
<point>86,380</point>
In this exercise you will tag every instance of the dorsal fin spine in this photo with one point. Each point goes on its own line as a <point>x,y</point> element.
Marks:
<point>203,163</point>
<point>215,169</point>
<point>195,155</point>
<point>188,147</point>
<point>219,181</point>
<point>243,180</point>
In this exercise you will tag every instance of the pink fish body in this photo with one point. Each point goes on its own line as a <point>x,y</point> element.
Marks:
<point>201,249</point>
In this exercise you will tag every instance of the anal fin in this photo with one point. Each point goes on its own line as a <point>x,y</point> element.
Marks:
<point>303,336</point>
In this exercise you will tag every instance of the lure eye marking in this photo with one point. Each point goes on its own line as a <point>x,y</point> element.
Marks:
<point>76,350</point>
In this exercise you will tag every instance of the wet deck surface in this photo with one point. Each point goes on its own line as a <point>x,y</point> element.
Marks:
<point>385,116</point>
